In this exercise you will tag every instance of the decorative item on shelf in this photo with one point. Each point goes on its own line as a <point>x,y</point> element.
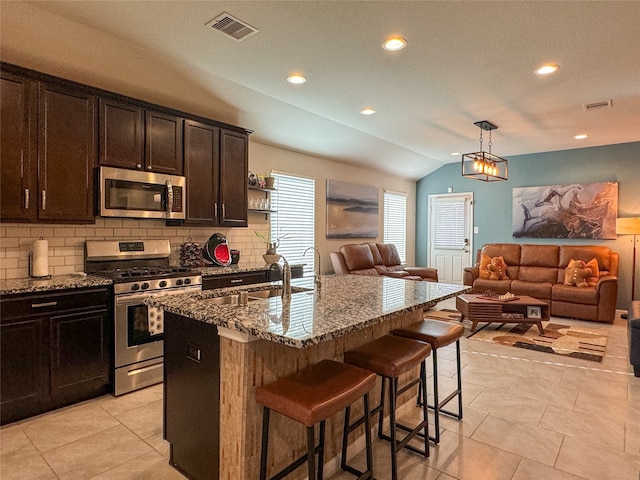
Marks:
<point>484,165</point>
<point>252,180</point>
<point>191,254</point>
<point>270,182</point>
<point>630,226</point>
<point>261,183</point>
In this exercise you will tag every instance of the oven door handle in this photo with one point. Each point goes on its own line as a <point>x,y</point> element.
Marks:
<point>137,298</point>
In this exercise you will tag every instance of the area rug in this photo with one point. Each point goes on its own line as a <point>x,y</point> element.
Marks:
<point>558,339</point>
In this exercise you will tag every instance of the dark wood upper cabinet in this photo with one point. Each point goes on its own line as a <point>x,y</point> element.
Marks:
<point>66,154</point>
<point>163,143</point>
<point>140,139</point>
<point>201,154</point>
<point>121,134</point>
<point>18,148</point>
<point>216,170</point>
<point>233,174</point>
<point>48,152</point>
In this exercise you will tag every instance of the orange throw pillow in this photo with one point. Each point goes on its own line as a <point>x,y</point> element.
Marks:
<point>485,261</point>
<point>593,278</point>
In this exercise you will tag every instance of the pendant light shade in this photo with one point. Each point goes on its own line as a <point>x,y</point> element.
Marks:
<point>484,165</point>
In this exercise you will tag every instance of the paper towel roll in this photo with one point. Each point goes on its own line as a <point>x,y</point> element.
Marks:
<point>40,261</point>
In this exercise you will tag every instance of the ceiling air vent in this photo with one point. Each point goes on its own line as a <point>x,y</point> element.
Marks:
<point>231,26</point>
<point>597,105</point>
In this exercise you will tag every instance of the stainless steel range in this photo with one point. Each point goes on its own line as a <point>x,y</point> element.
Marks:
<point>140,269</point>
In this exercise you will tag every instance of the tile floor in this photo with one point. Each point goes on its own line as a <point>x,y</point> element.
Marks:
<point>527,415</point>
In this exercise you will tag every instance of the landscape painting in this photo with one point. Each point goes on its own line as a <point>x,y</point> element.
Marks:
<point>352,210</point>
<point>580,210</point>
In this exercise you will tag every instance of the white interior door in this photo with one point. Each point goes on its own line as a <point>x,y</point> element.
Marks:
<point>450,235</point>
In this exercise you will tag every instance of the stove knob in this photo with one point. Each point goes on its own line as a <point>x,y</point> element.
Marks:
<point>179,282</point>
<point>187,281</point>
<point>135,287</point>
<point>145,286</point>
<point>163,283</point>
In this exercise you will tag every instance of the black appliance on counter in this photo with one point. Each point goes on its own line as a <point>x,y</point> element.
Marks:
<point>139,269</point>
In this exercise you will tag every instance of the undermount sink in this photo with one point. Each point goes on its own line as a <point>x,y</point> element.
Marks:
<point>267,293</point>
<point>274,292</point>
<point>226,300</point>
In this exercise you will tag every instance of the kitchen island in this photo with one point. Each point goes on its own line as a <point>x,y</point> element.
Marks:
<point>217,354</point>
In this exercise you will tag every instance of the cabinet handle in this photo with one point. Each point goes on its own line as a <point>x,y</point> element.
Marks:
<point>44,199</point>
<point>224,214</point>
<point>26,199</point>
<point>239,280</point>
<point>215,210</point>
<point>45,304</point>
<point>138,166</point>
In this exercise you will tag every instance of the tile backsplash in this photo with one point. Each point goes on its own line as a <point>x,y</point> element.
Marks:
<point>66,242</point>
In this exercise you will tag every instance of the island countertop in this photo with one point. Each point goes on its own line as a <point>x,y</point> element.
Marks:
<point>344,303</point>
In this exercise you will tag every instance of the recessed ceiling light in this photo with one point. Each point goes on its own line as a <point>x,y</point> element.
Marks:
<point>394,43</point>
<point>547,69</point>
<point>455,154</point>
<point>368,111</point>
<point>296,79</point>
<point>582,136</point>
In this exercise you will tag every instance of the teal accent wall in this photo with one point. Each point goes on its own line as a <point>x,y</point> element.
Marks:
<point>493,200</point>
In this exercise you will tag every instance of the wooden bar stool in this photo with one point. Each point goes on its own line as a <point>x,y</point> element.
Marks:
<point>311,396</point>
<point>390,357</point>
<point>438,334</point>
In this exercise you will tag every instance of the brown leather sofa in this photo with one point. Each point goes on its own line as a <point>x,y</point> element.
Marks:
<point>539,271</point>
<point>377,259</point>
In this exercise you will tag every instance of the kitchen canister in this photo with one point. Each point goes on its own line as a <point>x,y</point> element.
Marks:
<point>39,259</point>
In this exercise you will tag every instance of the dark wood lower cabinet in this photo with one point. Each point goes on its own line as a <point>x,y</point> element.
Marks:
<point>56,350</point>
<point>24,380</point>
<point>192,396</point>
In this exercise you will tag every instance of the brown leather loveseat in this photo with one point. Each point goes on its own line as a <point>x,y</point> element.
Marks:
<point>377,259</point>
<point>539,271</point>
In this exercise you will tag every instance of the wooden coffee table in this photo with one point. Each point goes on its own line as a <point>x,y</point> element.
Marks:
<point>522,310</point>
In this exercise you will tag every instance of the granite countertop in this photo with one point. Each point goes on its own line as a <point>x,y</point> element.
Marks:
<point>344,304</point>
<point>237,268</point>
<point>56,282</point>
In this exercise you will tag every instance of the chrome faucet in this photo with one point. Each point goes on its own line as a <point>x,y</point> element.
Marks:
<point>316,276</point>
<point>286,279</point>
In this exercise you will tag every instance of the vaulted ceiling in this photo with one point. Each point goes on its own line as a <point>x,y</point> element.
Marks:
<point>464,62</point>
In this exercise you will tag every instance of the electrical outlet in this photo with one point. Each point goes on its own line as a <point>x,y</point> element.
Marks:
<point>476,230</point>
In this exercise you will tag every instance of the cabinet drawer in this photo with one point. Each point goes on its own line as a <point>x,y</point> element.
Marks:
<point>46,303</point>
<point>234,279</point>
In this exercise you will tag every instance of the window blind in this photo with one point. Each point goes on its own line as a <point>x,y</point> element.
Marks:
<point>395,221</point>
<point>449,227</point>
<point>294,219</point>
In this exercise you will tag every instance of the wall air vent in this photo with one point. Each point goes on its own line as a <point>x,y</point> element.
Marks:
<point>597,105</point>
<point>231,26</point>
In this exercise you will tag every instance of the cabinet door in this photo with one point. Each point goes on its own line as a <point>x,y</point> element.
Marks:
<point>79,356</point>
<point>233,179</point>
<point>66,154</point>
<point>163,143</point>
<point>18,149</point>
<point>23,369</point>
<point>201,146</point>
<point>121,135</point>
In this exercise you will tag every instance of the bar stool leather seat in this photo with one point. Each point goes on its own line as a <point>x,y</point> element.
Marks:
<point>311,396</point>
<point>391,356</point>
<point>438,334</point>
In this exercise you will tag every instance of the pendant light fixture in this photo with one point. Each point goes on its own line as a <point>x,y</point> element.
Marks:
<point>484,165</point>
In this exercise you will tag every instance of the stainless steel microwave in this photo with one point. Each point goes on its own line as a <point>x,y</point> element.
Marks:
<point>134,194</point>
